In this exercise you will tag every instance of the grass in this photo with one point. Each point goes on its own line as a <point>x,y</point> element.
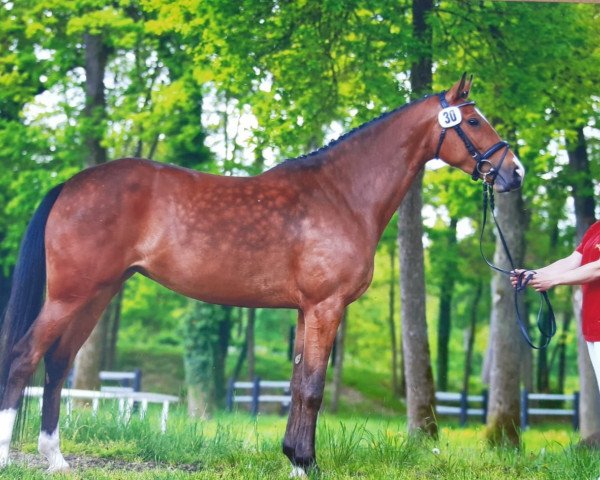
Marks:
<point>238,446</point>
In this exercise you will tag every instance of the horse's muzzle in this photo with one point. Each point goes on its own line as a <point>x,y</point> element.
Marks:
<point>510,177</point>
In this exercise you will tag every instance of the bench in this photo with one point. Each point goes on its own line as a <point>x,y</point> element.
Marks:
<point>125,399</point>
<point>279,394</point>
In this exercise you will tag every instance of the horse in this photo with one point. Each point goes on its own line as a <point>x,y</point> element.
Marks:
<point>301,235</point>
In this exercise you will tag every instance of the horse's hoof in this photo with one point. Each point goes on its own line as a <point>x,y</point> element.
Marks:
<point>298,472</point>
<point>62,467</point>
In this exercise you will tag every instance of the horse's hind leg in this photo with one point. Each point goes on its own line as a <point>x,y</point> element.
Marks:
<point>57,369</point>
<point>55,320</point>
<point>58,361</point>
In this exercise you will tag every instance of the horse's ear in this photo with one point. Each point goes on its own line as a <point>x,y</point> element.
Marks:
<point>460,90</point>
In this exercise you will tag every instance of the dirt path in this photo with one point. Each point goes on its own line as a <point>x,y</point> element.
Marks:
<point>82,462</point>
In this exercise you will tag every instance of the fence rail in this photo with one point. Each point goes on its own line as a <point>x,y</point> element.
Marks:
<point>457,404</point>
<point>125,399</point>
<point>256,397</point>
<point>465,406</point>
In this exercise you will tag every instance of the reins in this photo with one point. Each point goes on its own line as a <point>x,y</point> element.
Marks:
<point>450,117</point>
<point>549,329</point>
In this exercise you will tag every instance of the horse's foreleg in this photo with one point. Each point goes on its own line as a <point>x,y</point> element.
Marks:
<point>291,431</point>
<point>321,323</point>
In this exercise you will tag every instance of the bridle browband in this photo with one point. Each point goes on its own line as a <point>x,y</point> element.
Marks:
<point>485,170</point>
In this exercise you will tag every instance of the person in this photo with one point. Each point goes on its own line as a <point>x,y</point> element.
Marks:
<point>582,267</point>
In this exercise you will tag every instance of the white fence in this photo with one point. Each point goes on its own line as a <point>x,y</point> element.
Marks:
<point>125,400</point>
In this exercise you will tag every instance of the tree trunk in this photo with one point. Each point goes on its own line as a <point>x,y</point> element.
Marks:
<point>96,56</point>
<point>544,364</point>
<point>250,350</point>
<point>583,196</point>
<point>112,331</point>
<point>202,341</point>
<point>420,390</point>
<point>445,310</point>
<point>339,363</point>
<point>503,408</point>
<point>200,404</point>
<point>220,354</point>
<point>562,352</point>
<point>89,359</point>
<point>392,321</point>
<point>471,337</point>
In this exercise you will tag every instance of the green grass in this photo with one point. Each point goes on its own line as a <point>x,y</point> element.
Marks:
<point>238,446</point>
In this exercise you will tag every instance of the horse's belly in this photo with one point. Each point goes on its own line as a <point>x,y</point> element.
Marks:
<point>222,280</point>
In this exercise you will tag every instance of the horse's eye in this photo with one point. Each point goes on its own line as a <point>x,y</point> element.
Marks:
<point>473,121</point>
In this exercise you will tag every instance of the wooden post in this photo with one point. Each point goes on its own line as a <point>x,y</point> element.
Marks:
<point>484,394</point>
<point>230,393</point>
<point>464,405</point>
<point>255,396</point>
<point>576,398</point>
<point>524,409</point>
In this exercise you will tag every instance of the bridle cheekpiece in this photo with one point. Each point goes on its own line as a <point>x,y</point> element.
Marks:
<point>450,117</point>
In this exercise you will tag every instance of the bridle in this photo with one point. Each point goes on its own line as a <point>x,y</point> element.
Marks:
<point>450,117</point>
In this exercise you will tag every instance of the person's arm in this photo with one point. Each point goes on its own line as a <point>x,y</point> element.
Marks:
<point>571,262</point>
<point>587,273</point>
<point>553,270</point>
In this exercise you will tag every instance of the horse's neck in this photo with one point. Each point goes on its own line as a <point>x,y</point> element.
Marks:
<point>374,168</point>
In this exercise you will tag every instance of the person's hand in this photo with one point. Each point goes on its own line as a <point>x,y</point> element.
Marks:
<point>542,282</point>
<point>520,273</point>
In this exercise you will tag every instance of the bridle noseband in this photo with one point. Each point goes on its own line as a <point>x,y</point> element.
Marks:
<point>483,166</point>
<point>450,117</point>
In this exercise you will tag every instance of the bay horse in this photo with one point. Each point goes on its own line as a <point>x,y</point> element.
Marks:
<point>301,235</point>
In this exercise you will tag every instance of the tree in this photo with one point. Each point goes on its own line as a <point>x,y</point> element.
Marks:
<point>207,328</point>
<point>338,363</point>
<point>448,276</point>
<point>91,355</point>
<point>503,417</point>
<point>420,391</point>
<point>582,190</point>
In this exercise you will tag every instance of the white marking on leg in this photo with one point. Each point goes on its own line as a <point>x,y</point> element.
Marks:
<point>298,472</point>
<point>7,422</point>
<point>49,446</point>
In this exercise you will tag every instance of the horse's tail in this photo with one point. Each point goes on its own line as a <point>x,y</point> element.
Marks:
<point>28,286</point>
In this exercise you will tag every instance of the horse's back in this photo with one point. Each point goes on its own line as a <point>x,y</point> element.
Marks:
<point>269,240</point>
<point>185,229</point>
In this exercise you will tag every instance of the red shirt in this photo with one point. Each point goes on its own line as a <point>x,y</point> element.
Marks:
<point>590,311</point>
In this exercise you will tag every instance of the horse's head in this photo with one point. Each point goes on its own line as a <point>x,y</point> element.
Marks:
<point>468,141</point>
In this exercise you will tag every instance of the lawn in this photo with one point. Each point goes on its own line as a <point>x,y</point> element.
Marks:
<point>238,446</point>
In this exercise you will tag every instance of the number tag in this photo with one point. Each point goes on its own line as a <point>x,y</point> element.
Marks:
<point>449,117</point>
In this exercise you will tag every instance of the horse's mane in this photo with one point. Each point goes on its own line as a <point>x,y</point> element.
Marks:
<point>354,131</point>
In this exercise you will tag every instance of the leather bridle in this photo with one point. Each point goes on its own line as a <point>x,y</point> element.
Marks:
<point>450,117</point>
<point>483,166</point>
